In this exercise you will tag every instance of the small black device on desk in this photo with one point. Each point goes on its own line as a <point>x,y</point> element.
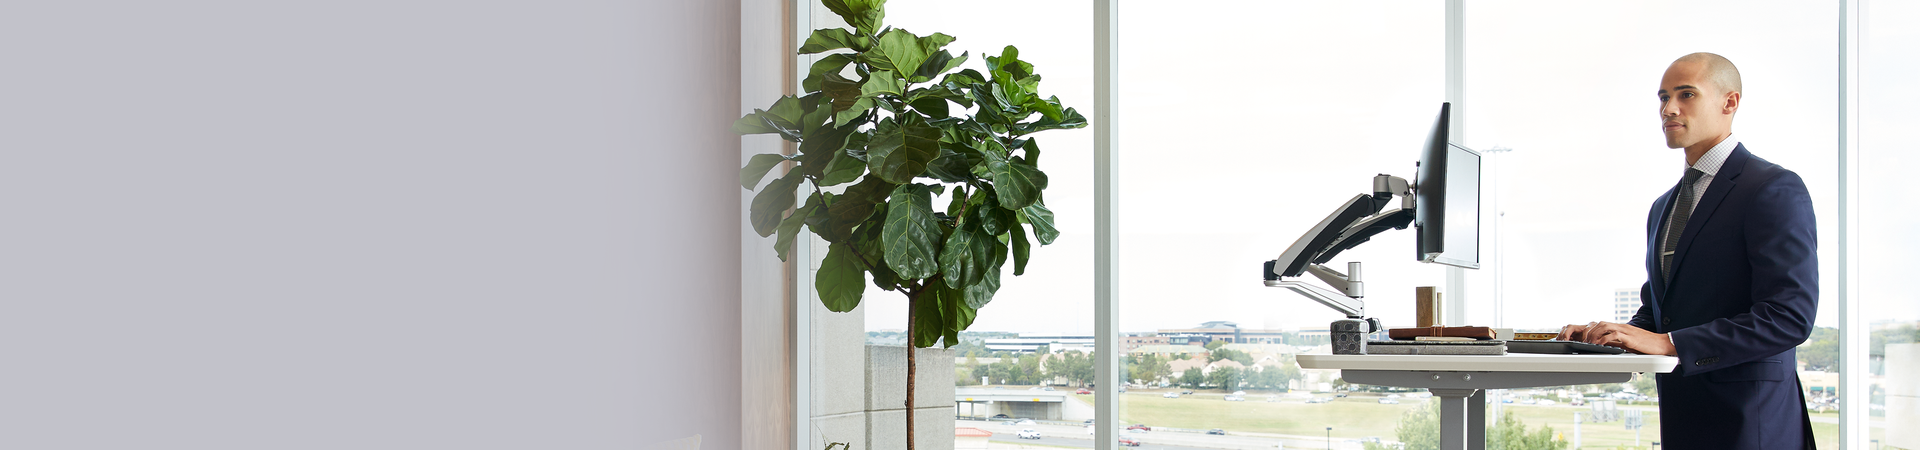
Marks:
<point>1556,347</point>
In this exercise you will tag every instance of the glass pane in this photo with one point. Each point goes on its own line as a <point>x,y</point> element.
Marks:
<point>1889,64</point>
<point>1028,352</point>
<point>1572,90</point>
<point>1245,123</point>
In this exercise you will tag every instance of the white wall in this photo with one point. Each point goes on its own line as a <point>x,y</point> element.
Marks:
<point>368,224</point>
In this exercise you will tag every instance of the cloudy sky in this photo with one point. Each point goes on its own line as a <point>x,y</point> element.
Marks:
<point>1245,122</point>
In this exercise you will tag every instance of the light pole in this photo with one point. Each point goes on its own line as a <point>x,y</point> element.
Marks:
<point>1329,438</point>
<point>1500,268</point>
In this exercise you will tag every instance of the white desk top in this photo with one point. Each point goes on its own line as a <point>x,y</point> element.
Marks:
<point>1511,362</point>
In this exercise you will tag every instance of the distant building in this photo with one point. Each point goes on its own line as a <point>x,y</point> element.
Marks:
<point>1222,330</point>
<point>1133,341</point>
<point>1625,303</point>
<point>1031,343</point>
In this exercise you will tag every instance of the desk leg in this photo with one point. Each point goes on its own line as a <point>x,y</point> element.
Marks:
<point>1454,416</point>
<point>1477,420</point>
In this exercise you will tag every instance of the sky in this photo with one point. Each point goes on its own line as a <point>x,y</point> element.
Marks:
<point>1244,123</point>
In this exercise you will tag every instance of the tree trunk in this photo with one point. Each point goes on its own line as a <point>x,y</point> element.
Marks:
<point>911,368</point>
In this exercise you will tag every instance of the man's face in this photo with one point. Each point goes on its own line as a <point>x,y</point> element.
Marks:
<point>1692,109</point>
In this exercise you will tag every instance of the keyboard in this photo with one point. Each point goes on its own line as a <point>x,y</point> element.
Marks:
<point>1557,347</point>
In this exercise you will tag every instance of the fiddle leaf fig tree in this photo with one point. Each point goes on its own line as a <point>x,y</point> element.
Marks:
<point>894,117</point>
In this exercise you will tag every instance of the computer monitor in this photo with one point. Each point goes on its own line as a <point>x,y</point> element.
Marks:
<point>1447,200</point>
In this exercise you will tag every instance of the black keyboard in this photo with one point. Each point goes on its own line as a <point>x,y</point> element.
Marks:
<point>1561,348</point>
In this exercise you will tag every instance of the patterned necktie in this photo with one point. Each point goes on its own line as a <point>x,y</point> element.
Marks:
<point>1677,223</point>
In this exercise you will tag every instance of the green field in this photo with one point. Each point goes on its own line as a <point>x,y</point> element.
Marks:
<point>1363,415</point>
<point>1351,417</point>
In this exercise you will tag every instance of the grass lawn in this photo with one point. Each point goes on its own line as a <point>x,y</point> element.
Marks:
<point>1362,416</point>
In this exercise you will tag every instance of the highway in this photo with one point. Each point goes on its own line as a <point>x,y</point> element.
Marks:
<point>1076,436</point>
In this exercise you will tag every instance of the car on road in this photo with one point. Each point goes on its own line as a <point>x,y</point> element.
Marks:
<point>1002,416</point>
<point>1273,398</point>
<point>1141,427</point>
<point>1129,442</point>
<point>1389,401</point>
<point>1083,392</point>
<point>1340,394</point>
<point>1048,388</point>
<point>1169,395</point>
<point>1028,434</point>
<point>1024,422</point>
<point>1186,392</point>
<point>1217,431</point>
<point>1236,398</point>
<point>1319,400</point>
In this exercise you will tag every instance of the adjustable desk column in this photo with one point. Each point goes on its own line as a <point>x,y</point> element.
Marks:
<point>1461,380</point>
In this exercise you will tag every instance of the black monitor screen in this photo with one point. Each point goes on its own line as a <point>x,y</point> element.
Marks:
<point>1462,245</point>
<point>1447,200</point>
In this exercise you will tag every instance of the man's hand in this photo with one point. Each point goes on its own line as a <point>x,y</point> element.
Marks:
<point>1620,335</point>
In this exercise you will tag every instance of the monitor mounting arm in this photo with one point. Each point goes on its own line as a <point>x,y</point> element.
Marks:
<point>1352,224</point>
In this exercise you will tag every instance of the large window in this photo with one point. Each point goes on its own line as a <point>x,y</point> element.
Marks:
<point>1571,89</point>
<point>1889,63</point>
<point>1243,124</point>
<point>1035,340</point>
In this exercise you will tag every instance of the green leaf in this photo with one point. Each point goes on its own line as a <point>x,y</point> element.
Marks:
<point>786,112</point>
<point>864,15</point>
<point>882,82</point>
<point>868,245</point>
<point>937,63</point>
<point>832,39</point>
<point>966,258</point>
<point>790,227</point>
<point>900,153</point>
<point>1069,119</point>
<point>773,201</point>
<point>841,279</point>
<point>992,220</point>
<point>979,294</point>
<point>843,168</point>
<point>844,92</point>
<point>852,113</point>
<point>1009,62</point>
<point>752,123</point>
<point>929,321</point>
<point>1041,218</point>
<point>1017,183</point>
<point>958,314</point>
<point>855,207</point>
<point>757,167</point>
<point>901,51</point>
<point>1021,249</point>
<point>819,148</point>
<point>830,64</point>
<point>1033,150</point>
<point>911,233</point>
<point>935,107</point>
<point>951,167</point>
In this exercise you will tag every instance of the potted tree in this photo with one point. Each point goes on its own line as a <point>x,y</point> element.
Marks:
<point>895,114</point>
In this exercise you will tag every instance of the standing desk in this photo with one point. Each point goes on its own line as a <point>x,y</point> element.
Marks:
<point>1461,381</point>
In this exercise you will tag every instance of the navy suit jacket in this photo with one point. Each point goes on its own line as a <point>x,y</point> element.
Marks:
<point>1742,295</point>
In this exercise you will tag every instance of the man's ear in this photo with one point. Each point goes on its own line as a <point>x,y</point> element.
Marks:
<point>1732,105</point>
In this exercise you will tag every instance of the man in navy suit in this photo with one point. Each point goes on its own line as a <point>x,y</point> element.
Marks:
<point>1732,282</point>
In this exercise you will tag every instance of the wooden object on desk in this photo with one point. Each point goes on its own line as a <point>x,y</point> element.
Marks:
<point>1426,301</point>
<point>1408,334</point>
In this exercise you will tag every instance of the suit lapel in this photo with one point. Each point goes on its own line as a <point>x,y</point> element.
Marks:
<point>1717,189</point>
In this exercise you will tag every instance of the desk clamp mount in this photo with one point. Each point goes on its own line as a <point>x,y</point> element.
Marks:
<point>1349,335</point>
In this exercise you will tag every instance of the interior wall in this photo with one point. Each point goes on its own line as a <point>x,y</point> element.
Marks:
<point>369,224</point>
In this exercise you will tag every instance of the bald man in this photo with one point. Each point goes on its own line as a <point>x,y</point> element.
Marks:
<point>1732,282</point>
